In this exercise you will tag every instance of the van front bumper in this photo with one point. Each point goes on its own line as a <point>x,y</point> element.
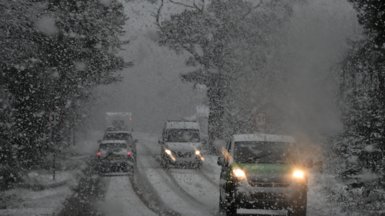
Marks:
<point>266,197</point>
<point>190,161</point>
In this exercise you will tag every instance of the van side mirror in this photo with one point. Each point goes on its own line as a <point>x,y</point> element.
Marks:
<point>99,141</point>
<point>222,161</point>
<point>160,141</point>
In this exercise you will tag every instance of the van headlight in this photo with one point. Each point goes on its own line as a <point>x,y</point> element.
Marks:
<point>298,174</point>
<point>239,173</point>
<point>197,152</point>
<point>168,151</point>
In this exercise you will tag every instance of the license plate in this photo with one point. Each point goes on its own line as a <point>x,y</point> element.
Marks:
<point>114,157</point>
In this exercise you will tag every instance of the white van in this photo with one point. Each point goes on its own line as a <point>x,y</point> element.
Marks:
<point>181,145</point>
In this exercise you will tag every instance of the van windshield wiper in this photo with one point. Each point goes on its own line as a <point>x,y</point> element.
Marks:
<point>253,159</point>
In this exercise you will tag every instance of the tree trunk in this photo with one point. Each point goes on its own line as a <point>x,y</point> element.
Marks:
<point>216,94</point>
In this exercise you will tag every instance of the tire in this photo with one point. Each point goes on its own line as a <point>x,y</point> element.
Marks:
<point>299,206</point>
<point>164,165</point>
<point>231,210</point>
<point>198,166</point>
<point>222,209</point>
<point>225,208</point>
<point>125,169</point>
<point>229,205</point>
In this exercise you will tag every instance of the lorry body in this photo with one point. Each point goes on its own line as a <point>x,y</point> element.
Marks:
<point>119,121</point>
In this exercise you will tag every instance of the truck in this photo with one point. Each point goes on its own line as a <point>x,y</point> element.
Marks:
<point>121,121</point>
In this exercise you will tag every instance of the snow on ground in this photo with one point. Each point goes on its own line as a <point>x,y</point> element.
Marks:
<point>323,188</point>
<point>171,196</point>
<point>161,182</point>
<point>318,200</point>
<point>44,179</point>
<point>121,199</point>
<point>192,183</point>
<point>26,202</point>
<point>22,201</point>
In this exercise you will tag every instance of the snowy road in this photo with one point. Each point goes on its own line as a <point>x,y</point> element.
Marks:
<point>181,191</point>
<point>188,192</point>
<point>172,195</point>
<point>121,199</point>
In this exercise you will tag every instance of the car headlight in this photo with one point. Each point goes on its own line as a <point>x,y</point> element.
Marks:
<point>239,173</point>
<point>298,174</point>
<point>168,151</point>
<point>197,152</point>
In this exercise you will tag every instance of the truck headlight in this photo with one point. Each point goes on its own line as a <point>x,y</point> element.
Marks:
<point>239,173</point>
<point>168,151</point>
<point>298,174</point>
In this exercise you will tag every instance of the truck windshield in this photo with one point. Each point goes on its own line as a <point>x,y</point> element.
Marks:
<point>264,152</point>
<point>182,135</point>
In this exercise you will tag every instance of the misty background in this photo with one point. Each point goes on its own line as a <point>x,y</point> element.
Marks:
<point>314,41</point>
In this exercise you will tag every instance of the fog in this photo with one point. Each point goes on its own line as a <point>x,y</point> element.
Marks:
<point>152,89</point>
<point>314,41</point>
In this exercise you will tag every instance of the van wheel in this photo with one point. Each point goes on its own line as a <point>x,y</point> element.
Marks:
<point>164,165</point>
<point>198,166</point>
<point>222,209</point>
<point>230,208</point>
<point>299,206</point>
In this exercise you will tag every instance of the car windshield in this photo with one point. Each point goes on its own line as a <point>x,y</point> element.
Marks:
<point>182,135</point>
<point>116,136</point>
<point>264,152</point>
<point>111,146</point>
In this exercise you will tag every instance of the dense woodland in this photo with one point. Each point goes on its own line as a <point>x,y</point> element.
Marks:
<point>53,53</point>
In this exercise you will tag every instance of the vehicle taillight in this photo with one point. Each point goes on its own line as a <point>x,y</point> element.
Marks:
<point>128,153</point>
<point>99,154</point>
<point>130,144</point>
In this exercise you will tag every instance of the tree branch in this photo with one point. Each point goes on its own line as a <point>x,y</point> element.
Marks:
<point>199,9</point>
<point>157,15</point>
<point>189,6</point>
<point>252,8</point>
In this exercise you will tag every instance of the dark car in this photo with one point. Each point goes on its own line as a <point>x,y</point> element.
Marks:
<point>121,135</point>
<point>115,156</point>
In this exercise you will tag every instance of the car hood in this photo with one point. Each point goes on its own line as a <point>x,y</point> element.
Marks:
<point>183,146</point>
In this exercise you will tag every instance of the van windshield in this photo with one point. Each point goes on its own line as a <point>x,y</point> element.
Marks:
<point>182,135</point>
<point>264,152</point>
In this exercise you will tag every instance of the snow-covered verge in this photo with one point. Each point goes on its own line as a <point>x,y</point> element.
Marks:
<point>26,202</point>
<point>40,194</point>
<point>36,192</point>
<point>329,195</point>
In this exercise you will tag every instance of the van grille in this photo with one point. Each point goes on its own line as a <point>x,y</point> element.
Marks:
<point>269,184</point>
<point>182,154</point>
